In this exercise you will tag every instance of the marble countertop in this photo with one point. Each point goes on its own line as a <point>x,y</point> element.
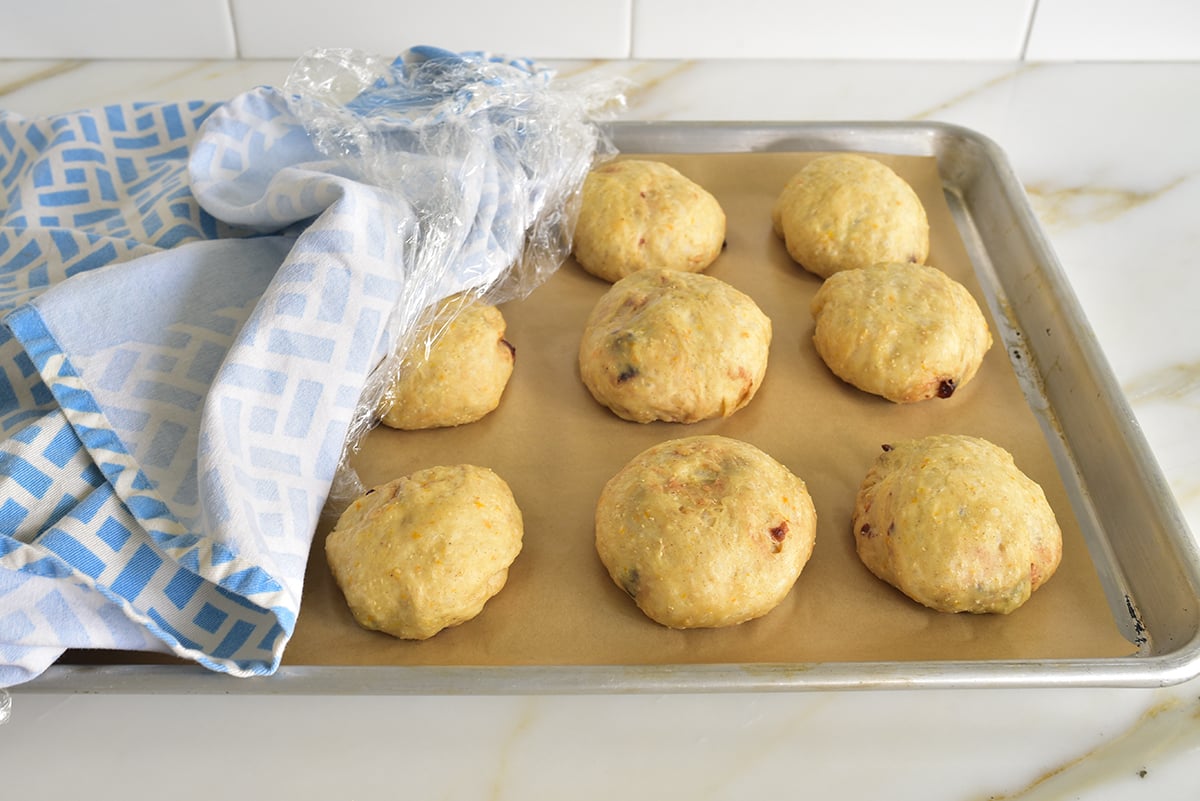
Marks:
<point>1108,156</point>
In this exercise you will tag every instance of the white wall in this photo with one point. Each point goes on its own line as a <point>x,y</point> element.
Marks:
<point>1043,30</point>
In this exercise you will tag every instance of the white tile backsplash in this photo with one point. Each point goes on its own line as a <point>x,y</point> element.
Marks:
<point>534,28</point>
<point>121,29</point>
<point>1117,30</point>
<point>925,30</point>
<point>820,29</point>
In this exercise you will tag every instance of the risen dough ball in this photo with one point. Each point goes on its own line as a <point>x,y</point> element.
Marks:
<point>952,523</point>
<point>705,531</point>
<point>637,215</point>
<point>907,332</point>
<point>674,346</point>
<point>425,551</point>
<point>462,375</point>
<point>845,211</point>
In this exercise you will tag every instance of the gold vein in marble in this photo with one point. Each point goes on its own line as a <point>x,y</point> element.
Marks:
<point>1077,205</point>
<point>635,79</point>
<point>583,68</point>
<point>527,716</point>
<point>644,77</point>
<point>1168,729</point>
<point>1187,492</point>
<point>934,111</point>
<point>680,68</point>
<point>1176,382</point>
<point>53,71</point>
<point>191,68</point>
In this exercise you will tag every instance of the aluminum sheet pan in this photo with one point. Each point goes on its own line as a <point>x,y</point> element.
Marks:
<point>1147,561</point>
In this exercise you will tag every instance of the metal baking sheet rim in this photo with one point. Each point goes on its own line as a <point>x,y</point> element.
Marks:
<point>1152,580</point>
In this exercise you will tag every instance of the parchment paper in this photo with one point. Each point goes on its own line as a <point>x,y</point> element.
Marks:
<point>556,448</point>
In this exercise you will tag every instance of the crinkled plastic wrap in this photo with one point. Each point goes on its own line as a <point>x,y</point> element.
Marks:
<point>485,155</point>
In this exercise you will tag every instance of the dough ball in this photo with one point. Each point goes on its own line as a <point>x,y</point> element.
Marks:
<point>705,531</point>
<point>638,215</point>
<point>951,522</point>
<point>908,332</point>
<point>845,211</point>
<point>674,346</point>
<point>426,551</point>
<point>460,377</point>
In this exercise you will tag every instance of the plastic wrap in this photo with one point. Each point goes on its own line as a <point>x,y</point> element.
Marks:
<point>487,156</point>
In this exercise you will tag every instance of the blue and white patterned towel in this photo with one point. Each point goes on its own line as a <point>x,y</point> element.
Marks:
<point>198,301</point>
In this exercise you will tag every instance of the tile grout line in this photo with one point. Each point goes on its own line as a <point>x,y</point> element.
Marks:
<point>233,29</point>
<point>1033,10</point>
<point>629,28</point>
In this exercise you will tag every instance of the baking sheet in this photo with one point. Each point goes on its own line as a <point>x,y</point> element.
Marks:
<point>556,447</point>
<point>1137,562</point>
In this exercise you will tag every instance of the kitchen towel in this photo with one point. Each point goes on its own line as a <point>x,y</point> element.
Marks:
<point>202,304</point>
